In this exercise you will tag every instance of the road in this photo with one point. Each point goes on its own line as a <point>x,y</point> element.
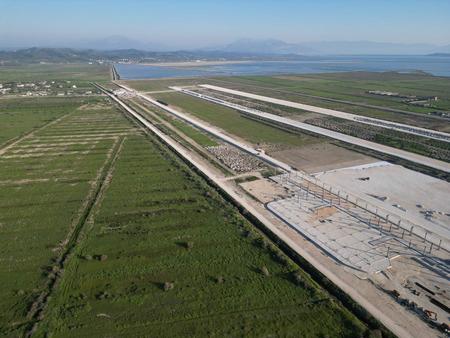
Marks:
<point>114,74</point>
<point>396,327</point>
<point>433,134</point>
<point>415,158</point>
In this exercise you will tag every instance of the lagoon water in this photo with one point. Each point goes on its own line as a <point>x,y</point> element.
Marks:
<point>435,65</point>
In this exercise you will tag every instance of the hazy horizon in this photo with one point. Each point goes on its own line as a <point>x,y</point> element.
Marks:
<point>170,25</point>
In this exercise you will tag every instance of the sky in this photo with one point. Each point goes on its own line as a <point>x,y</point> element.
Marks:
<point>200,23</point>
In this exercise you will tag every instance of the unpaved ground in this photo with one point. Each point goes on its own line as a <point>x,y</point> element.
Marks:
<point>403,276</point>
<point>321,157</point>
<point>363,291</point>
<point>325,212</point>
<point>264,190</point>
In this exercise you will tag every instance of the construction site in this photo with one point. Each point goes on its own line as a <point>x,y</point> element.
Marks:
<point>327,221</point>
<point>378,233</point>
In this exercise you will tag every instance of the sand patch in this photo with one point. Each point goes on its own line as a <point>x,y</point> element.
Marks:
<point>264,190</point>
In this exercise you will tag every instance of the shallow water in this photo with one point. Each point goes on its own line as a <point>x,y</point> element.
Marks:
<point>434,65</point>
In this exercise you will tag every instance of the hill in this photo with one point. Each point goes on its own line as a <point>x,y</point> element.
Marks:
<point>69,55</point>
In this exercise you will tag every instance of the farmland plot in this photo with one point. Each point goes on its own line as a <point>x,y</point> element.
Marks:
<point>46,181</point>
<point>165,255</point>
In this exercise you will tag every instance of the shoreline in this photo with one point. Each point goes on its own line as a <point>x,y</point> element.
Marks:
<point>197,63</point>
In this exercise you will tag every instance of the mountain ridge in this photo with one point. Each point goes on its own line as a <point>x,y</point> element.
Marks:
<point>251,46</point>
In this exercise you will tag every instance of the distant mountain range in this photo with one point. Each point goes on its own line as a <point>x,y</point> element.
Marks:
<point>70,55</point>
<point>251,46</point>
<point>117,42</point>
<point>440,54</point>
<point>118,48</point>
<point>266,46</point>
<point>333,48</point>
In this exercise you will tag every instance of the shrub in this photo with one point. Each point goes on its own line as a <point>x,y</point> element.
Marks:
<point>298,279</point>
<point>102,295</point>
<point>280,258</point>
<point>168,286</point>
<point>102,258</point>
<point>265,271</point>
<point>262,243</point>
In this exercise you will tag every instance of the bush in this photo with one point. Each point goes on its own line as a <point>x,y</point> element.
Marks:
<point>265,271</point>
<point>298,279</point>
<point>279,257</point>
<point>102,295</point>
<point>101,258</point>
<point>168,286</point>
<point>262,243</point>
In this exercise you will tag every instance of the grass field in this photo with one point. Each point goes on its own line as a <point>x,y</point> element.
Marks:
<point>19,116</point>
<point>182,262</point>
<point>354,86</point>
<point>231,121</point>
<point>46,181</point>
<point>188,130</point>
<point>194,134</point>
<point>160,84</point>
<point>41,72</point>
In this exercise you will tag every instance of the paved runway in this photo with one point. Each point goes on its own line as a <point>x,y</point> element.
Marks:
<point>336,113</point>
<point>429,162</point>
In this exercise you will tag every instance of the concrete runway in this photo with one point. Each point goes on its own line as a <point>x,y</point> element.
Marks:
<point>335,113</point>
<point>423,160</point>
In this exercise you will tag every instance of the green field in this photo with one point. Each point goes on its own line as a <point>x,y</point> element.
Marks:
<point>233,122</point>
<point>173,229</point>
<point>19,116</point>
<point>188,130</point>
<point>160,84</point>
<point>354,86</point>
<point>46,181</point>
<point>194,134</point>
<point>41,72</point>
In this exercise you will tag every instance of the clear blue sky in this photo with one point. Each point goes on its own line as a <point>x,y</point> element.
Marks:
<point>200,22</point>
